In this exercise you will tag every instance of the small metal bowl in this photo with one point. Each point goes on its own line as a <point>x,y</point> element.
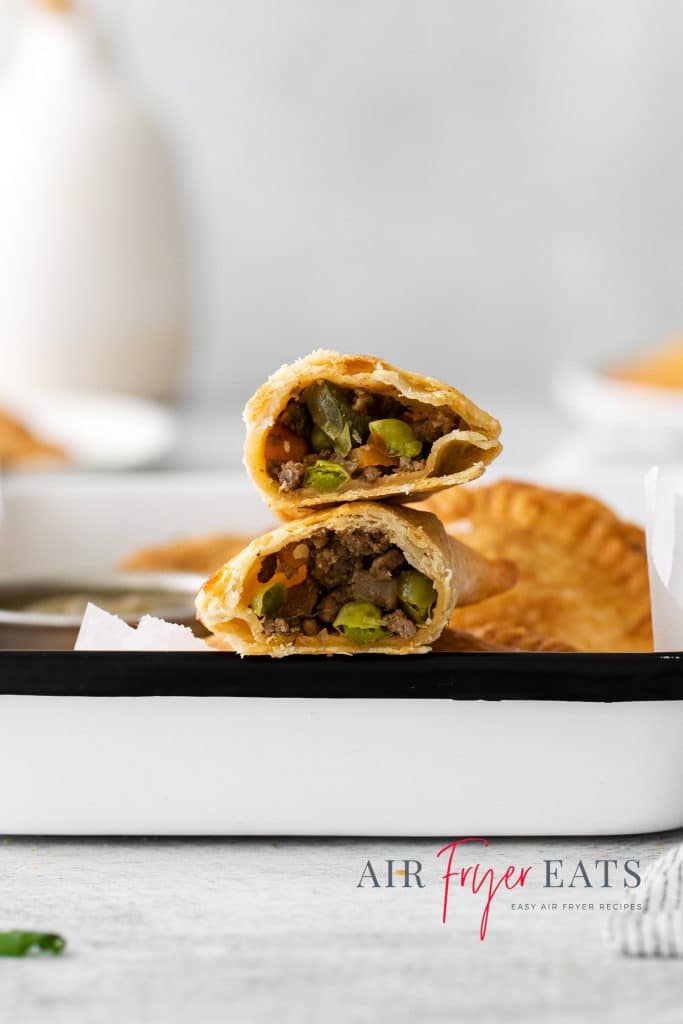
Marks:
<point>28,621</point>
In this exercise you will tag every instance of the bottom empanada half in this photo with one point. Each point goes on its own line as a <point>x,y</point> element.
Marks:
<point>360,578</point>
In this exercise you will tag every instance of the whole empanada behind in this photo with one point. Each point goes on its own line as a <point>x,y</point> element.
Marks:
<point>583,577</point>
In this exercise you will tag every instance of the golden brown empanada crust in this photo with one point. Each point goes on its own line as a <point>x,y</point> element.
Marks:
<point>498,638</point>
<point>659,368</point>
<point>188,554</point>
<point>583,577</point>
<point>20,448</point>
<point>482,640</point>
<point>456,458</point>
<point>458,574</point>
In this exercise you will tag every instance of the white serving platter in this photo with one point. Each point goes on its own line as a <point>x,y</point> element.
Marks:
<point>133,744</point>
<point>483,744</point>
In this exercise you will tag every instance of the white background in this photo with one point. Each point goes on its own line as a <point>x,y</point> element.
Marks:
<point>482,187</point>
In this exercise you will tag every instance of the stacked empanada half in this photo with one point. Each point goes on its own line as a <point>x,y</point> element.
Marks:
<point>337,445</point>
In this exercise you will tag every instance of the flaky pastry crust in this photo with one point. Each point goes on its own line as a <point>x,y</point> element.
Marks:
<point>661,368</point>
<point>20,448</point>
<point>189,554</point>
<point>583,578</point>
<point>498,638</point>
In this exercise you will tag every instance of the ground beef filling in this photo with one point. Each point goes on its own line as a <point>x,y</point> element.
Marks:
<point>427,423</point>
<point>356,565</point>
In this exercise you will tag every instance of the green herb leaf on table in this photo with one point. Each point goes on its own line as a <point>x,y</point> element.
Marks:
<point>20,943</point>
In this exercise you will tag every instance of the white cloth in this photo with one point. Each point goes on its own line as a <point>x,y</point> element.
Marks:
<point>657,929</point>
<point>664,500</point>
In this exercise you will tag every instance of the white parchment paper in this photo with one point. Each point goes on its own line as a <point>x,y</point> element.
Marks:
<point>101,631</point>
<point>664,498</point>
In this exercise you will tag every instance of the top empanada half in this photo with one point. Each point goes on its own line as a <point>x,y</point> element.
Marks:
<point>331,428</point>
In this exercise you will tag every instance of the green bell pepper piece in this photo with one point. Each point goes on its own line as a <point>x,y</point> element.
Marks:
<point>269,600</point>
<point>330,409</point>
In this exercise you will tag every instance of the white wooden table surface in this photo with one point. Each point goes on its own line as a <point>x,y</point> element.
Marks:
<point>276,930</point>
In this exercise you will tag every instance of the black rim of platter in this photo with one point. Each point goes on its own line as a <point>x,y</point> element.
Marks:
<point>457,676</point>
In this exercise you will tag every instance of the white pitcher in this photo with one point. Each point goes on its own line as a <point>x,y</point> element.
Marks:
<point>93,283</point>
